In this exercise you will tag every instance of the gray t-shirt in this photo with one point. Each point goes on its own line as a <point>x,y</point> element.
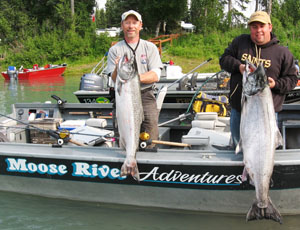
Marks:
<point>147,57</point>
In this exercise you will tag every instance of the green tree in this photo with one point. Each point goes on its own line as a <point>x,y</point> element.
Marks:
<point>207,15</point>
<point>115,8</point>
<point>156,13</point>
<point>234,15</point>
<point>101,20</point>
<point>14,21</point>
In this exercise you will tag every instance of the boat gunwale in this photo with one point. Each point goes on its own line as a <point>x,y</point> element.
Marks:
<point>163,156</point>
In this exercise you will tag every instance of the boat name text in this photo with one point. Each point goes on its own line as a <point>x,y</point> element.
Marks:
<point>86,170</point>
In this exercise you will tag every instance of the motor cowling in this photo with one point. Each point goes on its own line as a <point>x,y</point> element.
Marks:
<point>93,82</point>
<point>12,72</point>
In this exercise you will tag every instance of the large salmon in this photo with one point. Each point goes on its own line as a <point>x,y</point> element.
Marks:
<point>129,113</point>
<point>259,138</point>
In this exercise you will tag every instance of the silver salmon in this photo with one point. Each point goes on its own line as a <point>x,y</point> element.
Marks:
<point>260,137</point>
<point>129,113</point>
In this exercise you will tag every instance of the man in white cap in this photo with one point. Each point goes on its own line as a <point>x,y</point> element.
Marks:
<point>261,46</point>
<point>148,62</point>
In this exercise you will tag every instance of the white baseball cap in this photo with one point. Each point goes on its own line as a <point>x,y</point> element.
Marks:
<point>131,12</point>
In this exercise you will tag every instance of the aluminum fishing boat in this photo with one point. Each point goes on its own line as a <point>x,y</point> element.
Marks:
<point>190,170</point>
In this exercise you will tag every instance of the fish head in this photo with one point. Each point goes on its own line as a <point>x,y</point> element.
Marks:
<point>254,82</point>
<point>126,68</point>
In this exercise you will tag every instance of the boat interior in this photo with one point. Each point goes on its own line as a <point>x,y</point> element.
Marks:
<point>93,125</point>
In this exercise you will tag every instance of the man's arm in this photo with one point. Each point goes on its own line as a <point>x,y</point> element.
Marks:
<point>228,61</point>
<point>115,72</point>
<point>288,79</point>
<point>151,76</point>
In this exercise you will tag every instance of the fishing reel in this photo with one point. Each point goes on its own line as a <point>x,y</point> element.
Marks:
<point>144,137</point>
<point>145,141</point>
<point>64,137</point>
<point>61,137</point>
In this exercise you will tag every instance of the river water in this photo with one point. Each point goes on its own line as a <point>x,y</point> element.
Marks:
<point>21,212</point>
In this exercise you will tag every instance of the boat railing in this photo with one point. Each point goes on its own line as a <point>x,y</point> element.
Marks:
<point>99,68</point>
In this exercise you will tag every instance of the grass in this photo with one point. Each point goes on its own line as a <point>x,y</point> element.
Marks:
<point>85,65</point>
<point>187,64</point>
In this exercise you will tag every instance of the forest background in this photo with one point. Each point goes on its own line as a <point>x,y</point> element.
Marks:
<point>53,31</point>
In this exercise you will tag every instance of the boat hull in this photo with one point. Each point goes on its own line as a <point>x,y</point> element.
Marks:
<point>187,179</point>
<point>39,73</point>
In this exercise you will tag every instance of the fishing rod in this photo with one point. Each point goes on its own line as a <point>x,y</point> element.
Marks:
<point>188,113</point>
<point>63,134</point>
<point>197,67</point>
<point>163,90</point>
<point>198,90</point>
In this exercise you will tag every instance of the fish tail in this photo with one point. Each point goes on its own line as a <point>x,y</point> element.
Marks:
<point>270,212</point>
<point>130,168</point>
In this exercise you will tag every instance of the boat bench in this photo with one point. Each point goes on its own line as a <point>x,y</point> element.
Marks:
<point>291,134</point>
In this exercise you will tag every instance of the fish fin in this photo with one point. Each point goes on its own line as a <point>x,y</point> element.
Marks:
<point>243,100</point>
<point>278,139</point>
<point>271,183</point>
<point>270,212</point>
<point>130,167</point>
<point>119,87</point>
<point>239,148</point>
<point>121,143</point>
<point>244,175</point>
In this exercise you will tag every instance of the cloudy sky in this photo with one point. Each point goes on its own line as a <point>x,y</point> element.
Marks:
<point>101,3</point>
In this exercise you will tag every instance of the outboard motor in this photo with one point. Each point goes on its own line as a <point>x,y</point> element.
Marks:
<point>12,72</point>
<point>93,82</point>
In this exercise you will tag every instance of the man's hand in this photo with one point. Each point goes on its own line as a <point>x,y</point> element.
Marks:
<point>114,74</point>
<point>242,68</point>
<point>117,60</point>
<point>271,82</point>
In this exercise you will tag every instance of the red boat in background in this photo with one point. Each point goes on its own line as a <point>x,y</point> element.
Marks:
<point>36,72</point>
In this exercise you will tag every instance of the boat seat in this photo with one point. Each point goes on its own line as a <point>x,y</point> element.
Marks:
<point>291,134</point>
<point>210,120</point>
<point>91,136</point>
<point>208,129</point>
<point>163,135</point>
<point>200,138</point>
<point>197,138</point>
<point>96,122</point>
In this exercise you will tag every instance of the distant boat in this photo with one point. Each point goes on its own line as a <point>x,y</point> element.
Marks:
<point>48,70</point>
<point>187,26</point>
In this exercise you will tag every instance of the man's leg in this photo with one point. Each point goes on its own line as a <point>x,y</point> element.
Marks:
<point>150,124</point>
<point>235,120</point>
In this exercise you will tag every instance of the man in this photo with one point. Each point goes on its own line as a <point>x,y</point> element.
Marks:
<point>261,46</point>
<point>148,62</point>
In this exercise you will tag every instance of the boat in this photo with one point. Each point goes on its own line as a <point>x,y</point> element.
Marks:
<point>35,72</point>
<point>98,88</point>
<point>189,169</point>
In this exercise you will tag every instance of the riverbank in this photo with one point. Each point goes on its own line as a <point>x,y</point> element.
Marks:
<point>85,65</point>
<point>186,64</point>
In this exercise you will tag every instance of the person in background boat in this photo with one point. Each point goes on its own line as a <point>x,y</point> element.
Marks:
<point>260,46</point>
<point>148,62</point>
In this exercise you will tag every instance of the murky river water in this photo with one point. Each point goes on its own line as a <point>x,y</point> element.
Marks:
<point>31,212</point>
